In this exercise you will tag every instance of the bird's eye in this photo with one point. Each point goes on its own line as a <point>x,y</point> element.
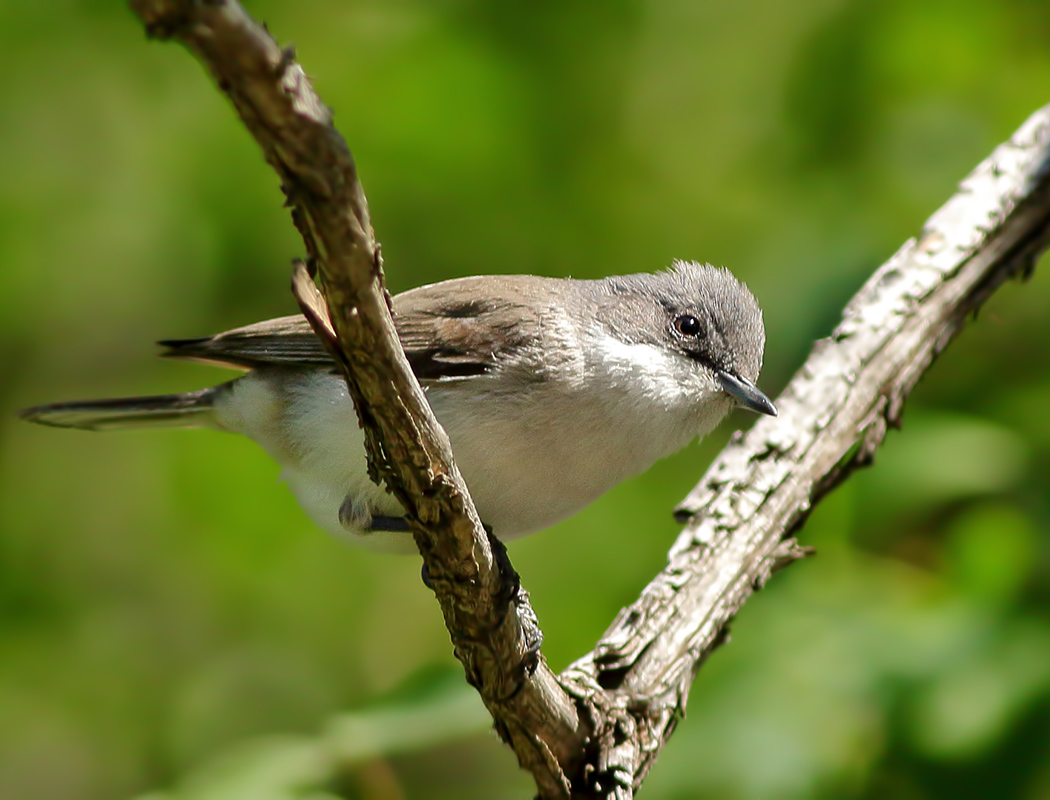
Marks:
<point>687,325</point>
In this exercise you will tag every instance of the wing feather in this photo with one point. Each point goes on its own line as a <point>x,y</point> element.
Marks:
<point>449,330</point>
<point>288,341</point>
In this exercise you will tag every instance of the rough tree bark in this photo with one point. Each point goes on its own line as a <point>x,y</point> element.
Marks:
<point>595,730</point>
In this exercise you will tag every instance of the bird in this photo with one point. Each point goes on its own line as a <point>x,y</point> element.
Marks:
<point>551,390</point>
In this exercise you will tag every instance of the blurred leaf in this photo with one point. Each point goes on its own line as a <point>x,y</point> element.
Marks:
<point>965,710</point>
<point>287,767</point>
<point>992,552</point>
<point>939,458</point>
<point>163,600</point>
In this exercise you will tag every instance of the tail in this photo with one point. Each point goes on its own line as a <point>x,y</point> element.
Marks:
<point>168,410</point>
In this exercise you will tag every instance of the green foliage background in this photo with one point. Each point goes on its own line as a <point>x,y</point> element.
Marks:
<point>170,621</point>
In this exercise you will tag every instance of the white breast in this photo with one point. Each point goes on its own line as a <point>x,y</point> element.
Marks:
<point>533,452</point>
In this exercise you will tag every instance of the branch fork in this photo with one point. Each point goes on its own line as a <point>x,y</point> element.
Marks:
<point>595,730</point>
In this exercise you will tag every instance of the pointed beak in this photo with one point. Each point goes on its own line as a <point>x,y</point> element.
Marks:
<point>746,394</point>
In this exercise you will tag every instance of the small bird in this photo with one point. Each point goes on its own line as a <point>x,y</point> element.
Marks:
<point>551,390</point>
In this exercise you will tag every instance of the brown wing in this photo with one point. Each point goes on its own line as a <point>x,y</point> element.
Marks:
<point>449,330</point>
<point>462,327</point>
<point>284,341</point>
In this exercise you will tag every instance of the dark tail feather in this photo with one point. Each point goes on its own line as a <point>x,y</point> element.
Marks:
<point>166,410</point>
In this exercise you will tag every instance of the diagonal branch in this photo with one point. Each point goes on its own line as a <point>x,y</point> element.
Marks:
<point>596,730</point>
<point>834,415</point>
<point>493,628</point>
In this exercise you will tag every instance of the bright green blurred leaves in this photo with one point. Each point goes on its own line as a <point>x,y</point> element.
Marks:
<point>163,600</point>
<point>441,709</point>
<point>942,458</point>
<point>993,551</point>
<point>966,708</point>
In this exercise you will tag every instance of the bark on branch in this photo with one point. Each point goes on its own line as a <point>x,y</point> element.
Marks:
<point>595,730</point>
<point>834,414</point>
<point>493,628</point>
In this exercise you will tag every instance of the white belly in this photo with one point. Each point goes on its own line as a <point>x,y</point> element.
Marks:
<point>523,475</point>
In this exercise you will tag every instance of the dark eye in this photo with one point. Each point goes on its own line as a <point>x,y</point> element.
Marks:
<point>687,325</point>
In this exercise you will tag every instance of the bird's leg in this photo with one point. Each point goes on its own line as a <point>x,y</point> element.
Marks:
<point>356,516</point>
<point>388,524</point>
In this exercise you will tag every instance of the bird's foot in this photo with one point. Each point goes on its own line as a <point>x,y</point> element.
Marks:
<point>388,525</point>
<point>357,517</point>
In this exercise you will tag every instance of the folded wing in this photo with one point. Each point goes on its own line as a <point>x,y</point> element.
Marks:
<point>448,332</point>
